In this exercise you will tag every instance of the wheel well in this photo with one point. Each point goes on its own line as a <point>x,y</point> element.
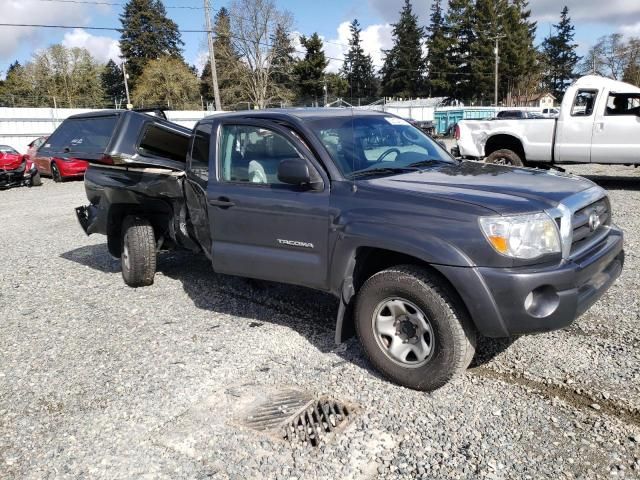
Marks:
<point>499,142</point>
<point>157,212</point>
<point>370,261</point>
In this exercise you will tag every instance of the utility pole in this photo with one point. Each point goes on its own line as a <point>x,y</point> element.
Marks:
<point>126,85</point>
<point>497,52</point>
<point>326,92</point>
<point>212,56</point>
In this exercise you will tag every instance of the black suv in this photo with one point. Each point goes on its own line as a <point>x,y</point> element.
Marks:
<point>424,252</point>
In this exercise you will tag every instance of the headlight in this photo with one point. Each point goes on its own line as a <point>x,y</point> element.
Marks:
<point>522,236</point>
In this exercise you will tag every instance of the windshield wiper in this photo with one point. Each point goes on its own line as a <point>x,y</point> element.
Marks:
<point>426,162</point>
<point>383,170</point>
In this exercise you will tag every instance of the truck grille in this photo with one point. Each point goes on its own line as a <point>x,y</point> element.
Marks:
<point>584,233</point>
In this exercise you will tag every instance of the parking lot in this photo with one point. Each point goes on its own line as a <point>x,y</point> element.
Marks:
<point>98,380</point>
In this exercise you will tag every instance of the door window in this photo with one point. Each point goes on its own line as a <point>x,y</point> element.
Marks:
<point>252,154</point>
<point>623,104</point>
<point>199,162</point>
<point>584,103</point>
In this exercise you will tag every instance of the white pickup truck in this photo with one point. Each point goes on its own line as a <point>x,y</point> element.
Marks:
<point>599,122</point>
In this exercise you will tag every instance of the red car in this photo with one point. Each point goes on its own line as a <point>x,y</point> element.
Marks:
<point>16,169</point>
<point>34,146</point>
<point>55,167</point>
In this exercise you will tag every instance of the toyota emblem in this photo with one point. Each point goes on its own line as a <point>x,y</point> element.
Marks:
<point>594,221</point>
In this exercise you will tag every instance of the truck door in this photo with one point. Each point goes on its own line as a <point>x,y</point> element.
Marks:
<point>261,226</point>
<point>616,133</point>
<point>195,187</point>
<point>575,128</point>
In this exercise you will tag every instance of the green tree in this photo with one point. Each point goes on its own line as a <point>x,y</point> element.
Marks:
<point>227,65</point>
<point>438,65</point>
<point>459,25</point>
<point>404,66</point>
<point>113,82</point>
<point>15,91</point>
<point>357,69</point>
<point>310,69</point>
<point>147,34</point>
<point>560,56</point>
<point>337,86</point>
<point>283,63</point>
<point>167,82</point>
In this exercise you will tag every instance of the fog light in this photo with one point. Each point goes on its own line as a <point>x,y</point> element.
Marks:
<point>542,301</point>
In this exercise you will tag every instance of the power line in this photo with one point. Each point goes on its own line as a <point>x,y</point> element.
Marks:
<point>116,4</point>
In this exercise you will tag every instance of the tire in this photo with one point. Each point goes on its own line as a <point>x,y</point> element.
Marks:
<point>447,331</point>
<point>505,157</point>
<point>55,173</point>
<point>36,181</point>
<point>138,252</point>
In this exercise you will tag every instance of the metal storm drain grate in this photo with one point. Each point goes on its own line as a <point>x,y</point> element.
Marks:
<point>317,419</point>
<point>298,417</point>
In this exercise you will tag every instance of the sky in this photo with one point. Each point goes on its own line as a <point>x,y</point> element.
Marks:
<point>330,18</point>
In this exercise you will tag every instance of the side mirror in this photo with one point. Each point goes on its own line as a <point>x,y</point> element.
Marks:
<point>295,171</point>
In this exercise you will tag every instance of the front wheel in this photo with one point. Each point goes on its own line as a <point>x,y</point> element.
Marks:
<point>35,181</point>
<point>55,173</point>
<point>505,157</point>
<point>412,327</point>
<point>138,252</point>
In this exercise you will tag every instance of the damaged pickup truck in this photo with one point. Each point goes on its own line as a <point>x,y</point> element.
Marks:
<point>423,252</point>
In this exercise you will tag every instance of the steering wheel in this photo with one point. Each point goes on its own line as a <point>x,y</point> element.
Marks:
<point>387,152</point>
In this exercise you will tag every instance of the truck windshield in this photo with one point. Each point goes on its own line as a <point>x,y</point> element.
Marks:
<point>380,144</point>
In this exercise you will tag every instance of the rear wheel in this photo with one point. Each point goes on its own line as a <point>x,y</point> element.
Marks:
<point>36,181</point>
<point>138,252</point>
<point>55,173</point>
<point>413,328</point>
<point>505,157</point>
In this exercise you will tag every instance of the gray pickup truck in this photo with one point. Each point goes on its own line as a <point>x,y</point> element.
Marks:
<point>423,252</point>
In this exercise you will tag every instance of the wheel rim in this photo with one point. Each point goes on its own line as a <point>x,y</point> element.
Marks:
<point>55,173</point>
<point>125,256</point>
<point>502,161</point>
<point>403,332</point>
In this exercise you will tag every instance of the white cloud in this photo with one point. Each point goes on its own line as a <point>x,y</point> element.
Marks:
<point>631,30</point>
<point>102,49</point>
<point>615,12</point>
<point>375,38</point>
<point>35,12</point>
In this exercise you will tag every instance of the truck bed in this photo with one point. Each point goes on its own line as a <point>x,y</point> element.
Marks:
<point>536,135</point>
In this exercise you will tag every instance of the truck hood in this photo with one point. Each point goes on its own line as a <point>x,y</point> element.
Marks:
<point>505,190</point>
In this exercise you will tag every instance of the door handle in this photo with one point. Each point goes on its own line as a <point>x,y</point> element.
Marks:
<point>599,126</point>
<point>221,202</point>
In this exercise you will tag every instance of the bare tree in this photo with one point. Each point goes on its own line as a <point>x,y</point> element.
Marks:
<point>254,22</point>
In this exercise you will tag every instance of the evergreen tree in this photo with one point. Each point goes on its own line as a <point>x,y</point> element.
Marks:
<point>357,69</point>
<point>459,25</point>
<point>283,63</point>
<point>488,24</point>
<point>113,81</point>
<point>227,65</point>
<point>521,62</point>
<point>560,56</point>
<point>437,60</point>
<point>404,65</point>
<point>310,70</point>
<point>147,34</point>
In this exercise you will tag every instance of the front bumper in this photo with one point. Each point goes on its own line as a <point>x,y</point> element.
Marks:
<point>497,298</point>
<point>14,178</point>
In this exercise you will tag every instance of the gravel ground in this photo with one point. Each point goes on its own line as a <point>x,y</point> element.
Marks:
<point>98,380</point>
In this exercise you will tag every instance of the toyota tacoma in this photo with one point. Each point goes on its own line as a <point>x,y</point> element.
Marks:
<point>422,251</point>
